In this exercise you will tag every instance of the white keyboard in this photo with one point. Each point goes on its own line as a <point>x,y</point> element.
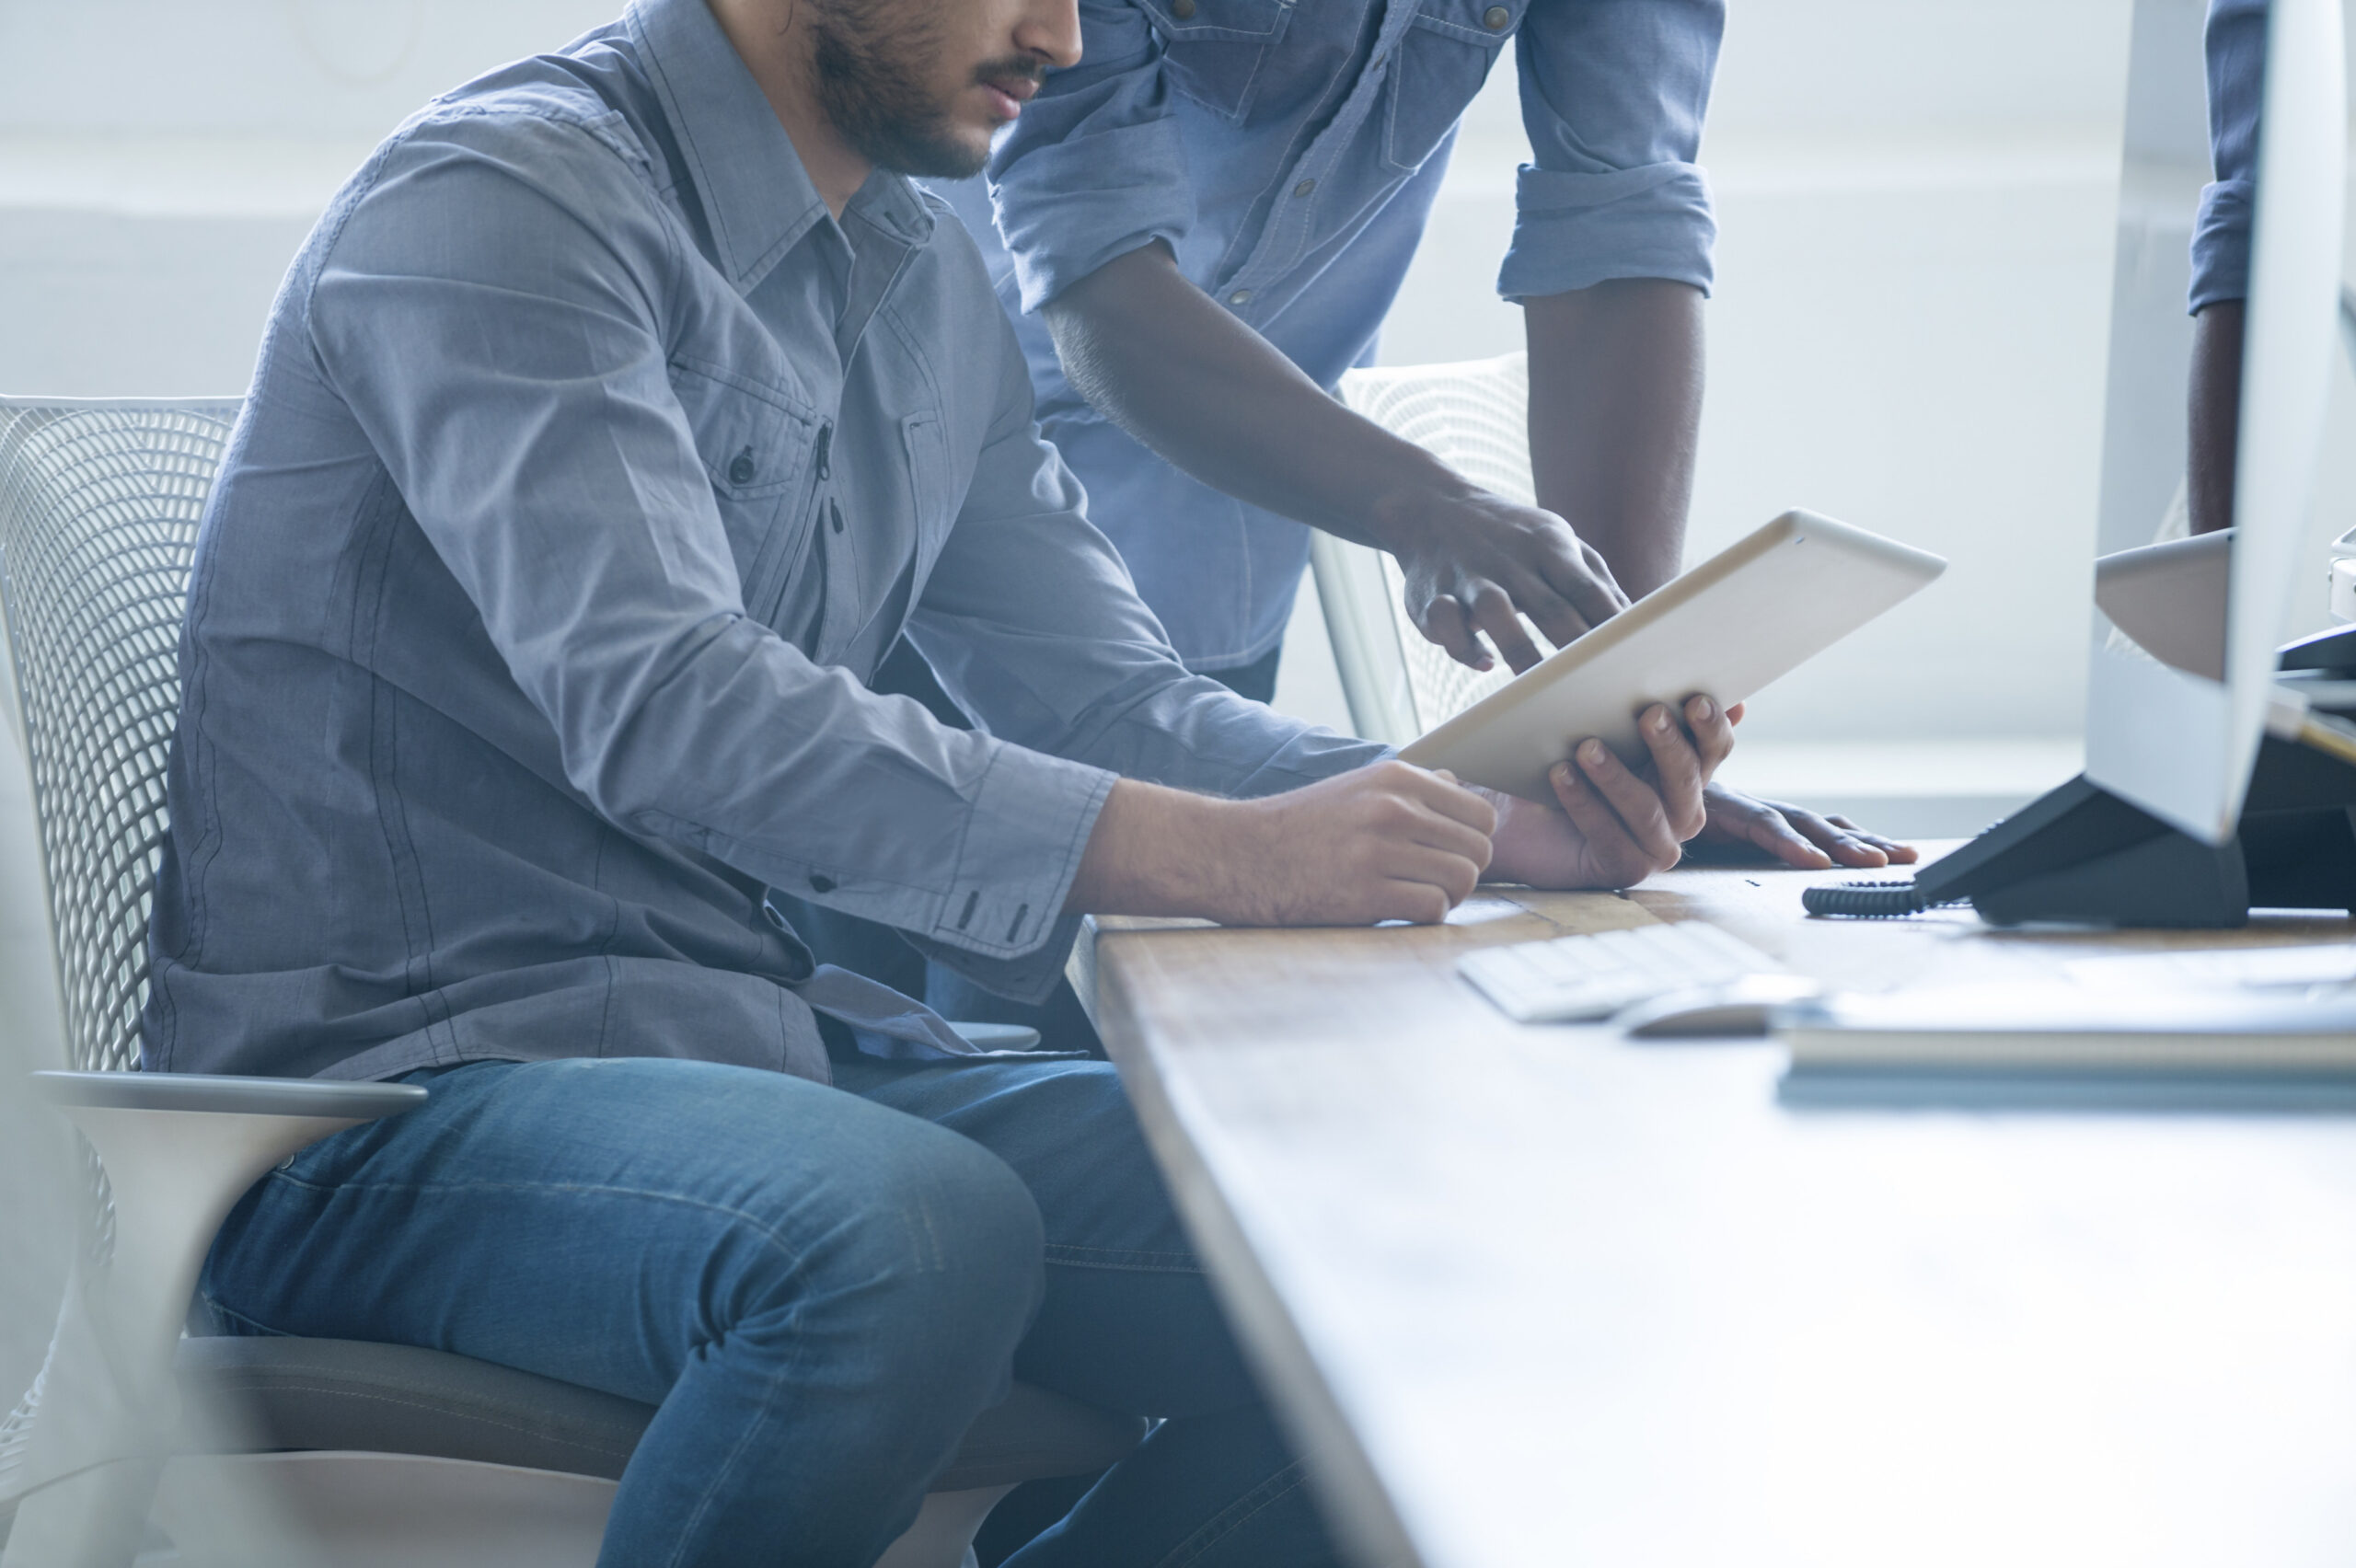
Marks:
<point>1571,978</point>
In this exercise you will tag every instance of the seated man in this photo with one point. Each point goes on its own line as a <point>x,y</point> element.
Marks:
<point>617,417</point>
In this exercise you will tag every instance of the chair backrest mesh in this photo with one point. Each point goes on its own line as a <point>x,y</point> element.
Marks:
<point>99,509</point>
<point>1473,415</point>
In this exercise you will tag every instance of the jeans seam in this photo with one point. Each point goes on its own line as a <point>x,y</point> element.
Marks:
<point>1228,1521</point>
<point>1074,1256</point>
<point>598,1189</point>
<point>721,1471</point>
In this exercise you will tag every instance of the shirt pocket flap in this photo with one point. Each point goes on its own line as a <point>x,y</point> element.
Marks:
<point>753,438</point>
<point>1224,21</point>
<point>1441,63</point>
<point>1485,22</point>
<point>1213,50</point>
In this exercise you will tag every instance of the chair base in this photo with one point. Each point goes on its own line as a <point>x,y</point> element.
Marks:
<point>365,1510</point>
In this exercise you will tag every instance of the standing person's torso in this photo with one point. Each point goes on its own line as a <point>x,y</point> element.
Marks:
<point>1267,96</point>
<point>1298,147</point>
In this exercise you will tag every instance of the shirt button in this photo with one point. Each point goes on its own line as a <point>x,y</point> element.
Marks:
<point>821,883</point>
<point>1304,188</point>
<point>1496,17</point>
<point>835,517</point>
<point>1183,9</point>
<point>1240,296</point>
<point>740,472</point>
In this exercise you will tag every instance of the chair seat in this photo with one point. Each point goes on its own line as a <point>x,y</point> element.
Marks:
<point>268,1394</point>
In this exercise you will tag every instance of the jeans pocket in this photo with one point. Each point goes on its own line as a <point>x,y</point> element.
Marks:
<point>1214,51</point>
<point>1441,64</point>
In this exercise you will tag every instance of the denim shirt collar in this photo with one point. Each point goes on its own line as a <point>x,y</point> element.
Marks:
<point>756,195</point>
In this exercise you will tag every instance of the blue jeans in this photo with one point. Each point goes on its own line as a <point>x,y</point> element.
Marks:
<point>821,1287</point>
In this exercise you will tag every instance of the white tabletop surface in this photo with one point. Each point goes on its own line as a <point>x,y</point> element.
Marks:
<point>1545,1296</point>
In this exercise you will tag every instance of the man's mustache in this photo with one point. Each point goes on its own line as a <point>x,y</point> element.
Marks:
<point>1012,69</point>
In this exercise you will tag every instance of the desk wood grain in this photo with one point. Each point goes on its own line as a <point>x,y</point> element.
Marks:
<point>1545,1296</point>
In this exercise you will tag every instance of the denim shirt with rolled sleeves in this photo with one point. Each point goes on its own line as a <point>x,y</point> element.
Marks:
<point>1289,153</point>
<point>2234,51</point>
<point>590,469</point>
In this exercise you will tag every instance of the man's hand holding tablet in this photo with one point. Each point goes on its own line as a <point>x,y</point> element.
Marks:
<point>1613,826</point>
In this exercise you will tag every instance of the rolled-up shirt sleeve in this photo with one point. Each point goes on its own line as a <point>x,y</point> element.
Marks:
<point>1094,168</point>
<point>1613,94</point>
<point>2235,44</point>
<point>491,314</point>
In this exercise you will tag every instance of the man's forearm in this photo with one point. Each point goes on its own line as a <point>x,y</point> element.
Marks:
<point>1616,408</point>
<point>1164,362</point>
<point>2216,414</point>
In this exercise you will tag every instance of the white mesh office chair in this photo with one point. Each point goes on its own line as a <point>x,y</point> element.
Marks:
<point>1474,417</point>
<point>361,1454</point>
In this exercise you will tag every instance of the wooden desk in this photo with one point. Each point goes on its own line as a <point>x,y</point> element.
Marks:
<point>1543,1296</point>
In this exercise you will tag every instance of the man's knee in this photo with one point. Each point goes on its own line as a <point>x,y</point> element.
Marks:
<point>922,1228</point>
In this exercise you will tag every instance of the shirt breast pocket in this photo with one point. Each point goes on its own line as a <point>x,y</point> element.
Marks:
<point>755,439</point>
<point>933,489</point>
<point>1214,51</point>
<point>1440,66</point>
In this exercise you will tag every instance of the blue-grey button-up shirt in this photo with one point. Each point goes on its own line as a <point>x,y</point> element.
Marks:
<point>589,470</point>
<point>1288,152</point>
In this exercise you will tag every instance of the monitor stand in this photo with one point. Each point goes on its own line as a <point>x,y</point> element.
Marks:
<point>2080,855</point>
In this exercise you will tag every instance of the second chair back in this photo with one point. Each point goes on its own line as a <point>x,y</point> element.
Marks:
<point>1474,417</point>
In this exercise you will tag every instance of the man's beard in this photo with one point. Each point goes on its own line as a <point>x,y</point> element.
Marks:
<point>873,63</point>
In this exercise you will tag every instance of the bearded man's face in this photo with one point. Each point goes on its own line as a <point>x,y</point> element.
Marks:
<point>917,87</point>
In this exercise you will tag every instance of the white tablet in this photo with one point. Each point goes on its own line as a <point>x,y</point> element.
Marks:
<point>1750,614</point>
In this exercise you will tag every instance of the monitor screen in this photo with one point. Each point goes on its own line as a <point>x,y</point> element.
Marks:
<point>2223,310</point>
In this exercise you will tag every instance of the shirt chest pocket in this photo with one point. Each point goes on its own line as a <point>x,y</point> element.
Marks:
<point>756,441</point>
<point>1214,51</point>
<point>931,487</point>
<point>1439,67</point>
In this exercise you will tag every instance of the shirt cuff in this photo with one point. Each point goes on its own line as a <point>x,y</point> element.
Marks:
<point>2220,244</point>
<point>1573,231</point>
<point>1023,839</point>
<point>1029,978</point>
<point>1073,206</point>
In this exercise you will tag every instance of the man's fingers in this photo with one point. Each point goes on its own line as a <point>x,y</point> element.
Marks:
<point>1679,768</point>
<point>1636,802</point>
<point>1900,854</point>
<point>1427,829</point>
<point>1587,585</point>
<point>1712,732</point>
<point>1607,836</point>
<point>1492,612</point>
<point>1452,874</point>
<point>1558,619</point>
<point>1442,621</point>
<point>1766,828</point>
<point>1836,836</point>
<point>1442,793</point>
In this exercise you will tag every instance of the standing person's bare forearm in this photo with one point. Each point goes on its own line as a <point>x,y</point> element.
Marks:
<point>1175,369</point>
<point>1615,410</point>
<point>1164,362</point>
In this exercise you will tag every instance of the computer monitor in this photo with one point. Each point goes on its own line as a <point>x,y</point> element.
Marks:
<point>2236,126</point>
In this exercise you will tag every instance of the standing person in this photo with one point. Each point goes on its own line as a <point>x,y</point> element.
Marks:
<point>1206,222</point>
<point>621,412</point>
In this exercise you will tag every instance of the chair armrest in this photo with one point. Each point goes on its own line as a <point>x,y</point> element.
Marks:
<point>243,1096</point>
<point>179,1152</point>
